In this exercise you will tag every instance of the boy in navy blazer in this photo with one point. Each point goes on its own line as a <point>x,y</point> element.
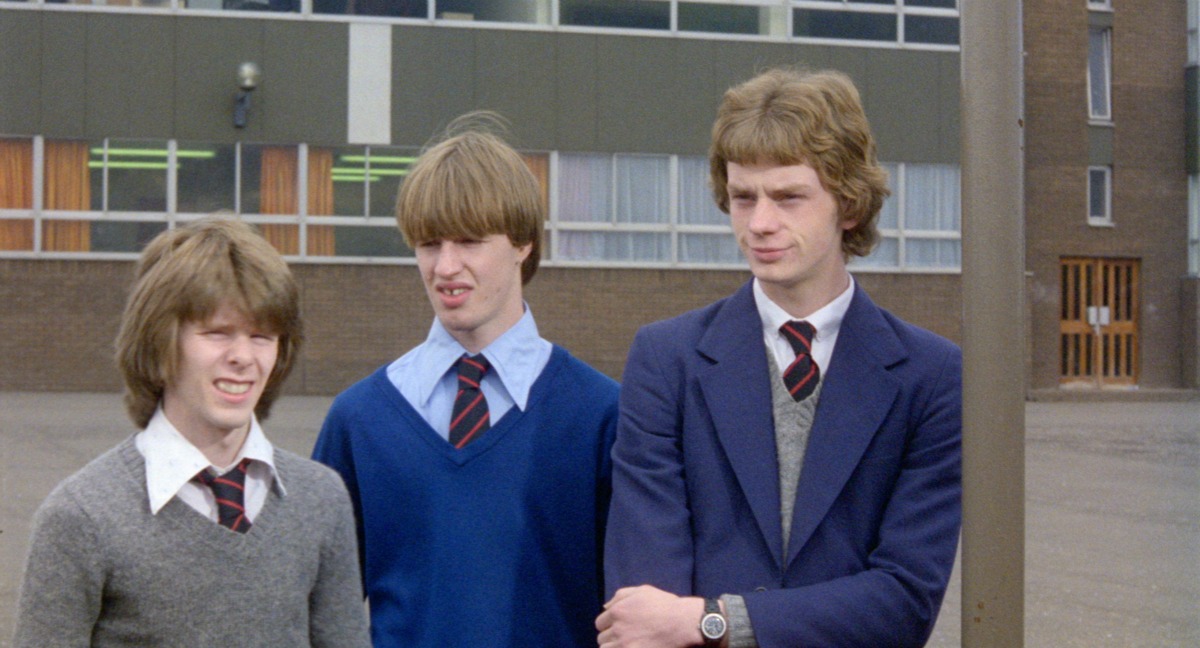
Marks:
<point>787,469</point>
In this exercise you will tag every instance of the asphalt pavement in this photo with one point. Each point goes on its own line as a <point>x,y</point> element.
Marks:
<point>1112,555</point>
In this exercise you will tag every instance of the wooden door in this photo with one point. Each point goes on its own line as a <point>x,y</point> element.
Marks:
<point>1098,323</point>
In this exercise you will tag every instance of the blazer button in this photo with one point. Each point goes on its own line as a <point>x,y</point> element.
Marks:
<point>760,588</point>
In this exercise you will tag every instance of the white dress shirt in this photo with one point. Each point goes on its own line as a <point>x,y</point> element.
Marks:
<point>172,461</point>
<point>827,320</point>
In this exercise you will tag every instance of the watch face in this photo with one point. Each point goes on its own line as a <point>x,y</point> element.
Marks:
<point>712,626</point>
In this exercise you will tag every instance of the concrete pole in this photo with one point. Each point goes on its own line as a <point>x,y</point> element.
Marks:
<point>994,314</point>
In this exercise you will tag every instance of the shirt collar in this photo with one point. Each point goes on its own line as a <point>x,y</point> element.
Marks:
<point>826,319</point>
<point>172,461</point>
<point>512,356</point>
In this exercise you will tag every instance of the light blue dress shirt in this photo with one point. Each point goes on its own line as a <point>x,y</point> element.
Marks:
<point>426,378</point>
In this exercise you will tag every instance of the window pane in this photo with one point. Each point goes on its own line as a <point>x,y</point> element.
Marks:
<point>233,5</point>
<point>696,204</point>
<point>370,241</point>
<point>643,189</point>
<point>137,174</point>
<point>844,24</point>
<point>394,8</point>
<point>585,188</point>
<point>932,253</point>
<point>889,215</point>
<point>931,197</point>
<point>527,11</point>
<point>615,13</point>
<point>388,168</point>
<point>885,255</point>
<point>1098,74</point>
<point>16,192</point>
<point>613,246</point>
<point>709,248</point>
<point>1098,193</point>
<point>270,179</point>
<point>724,19</point>
<point>944,4</point>
<point>931,29</point>
<point>350,181</point>
<point>206,177</point>
<point>123,236</point>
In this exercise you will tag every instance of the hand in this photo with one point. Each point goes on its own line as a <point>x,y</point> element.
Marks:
<point>646,616</point>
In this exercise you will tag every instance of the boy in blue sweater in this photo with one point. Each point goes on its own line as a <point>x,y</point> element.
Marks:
<point>478,462</point>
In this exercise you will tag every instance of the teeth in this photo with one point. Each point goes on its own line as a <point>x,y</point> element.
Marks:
<point>233,388</point>
<point>456,292</point>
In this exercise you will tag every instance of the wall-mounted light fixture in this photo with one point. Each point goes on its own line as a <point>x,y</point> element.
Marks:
<point>247,78</point>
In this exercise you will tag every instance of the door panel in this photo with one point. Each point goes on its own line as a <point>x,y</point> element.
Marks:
<point>1098,322</point>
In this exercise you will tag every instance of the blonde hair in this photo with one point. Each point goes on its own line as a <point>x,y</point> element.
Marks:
<point>185,275</point>
<point>787,117</point>
<point>470,185</point>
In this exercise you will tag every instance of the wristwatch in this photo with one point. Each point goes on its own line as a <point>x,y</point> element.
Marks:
<point>713,625</point>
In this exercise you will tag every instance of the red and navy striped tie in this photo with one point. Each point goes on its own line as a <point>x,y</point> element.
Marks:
<point>229,490</point>
<point>470,415</point>
<point>802,376</point>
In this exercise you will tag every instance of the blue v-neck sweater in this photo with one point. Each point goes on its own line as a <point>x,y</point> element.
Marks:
<point>496,544</point>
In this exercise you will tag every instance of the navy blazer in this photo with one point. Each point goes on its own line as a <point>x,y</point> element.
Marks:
<point>695,507</point>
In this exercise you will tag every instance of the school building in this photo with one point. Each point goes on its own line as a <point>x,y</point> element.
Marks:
<point>119,118</point>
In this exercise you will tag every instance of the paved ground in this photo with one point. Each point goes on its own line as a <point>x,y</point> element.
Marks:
<point>1113,509</point>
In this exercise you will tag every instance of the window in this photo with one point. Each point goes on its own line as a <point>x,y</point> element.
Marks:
<point>920,224</point>
<point>1099,73</point>
<point>1100,195</point>
<point>932,22</point>
<point>615,13</point>
<point>1194,225</point>
<point>612,207</point>
<point>1193,31</point>
<point>1100,5</point>
<point>918,24</point>
<point>762,17</point>
<point>107,198</point>
<point>16,194</point>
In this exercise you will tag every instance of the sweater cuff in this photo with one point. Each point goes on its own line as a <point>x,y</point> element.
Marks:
<point>741,633</point>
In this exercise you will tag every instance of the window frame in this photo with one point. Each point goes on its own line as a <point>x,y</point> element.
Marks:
<point>686,234</point>
<point>1105,219</point>
<point>1094,114</point>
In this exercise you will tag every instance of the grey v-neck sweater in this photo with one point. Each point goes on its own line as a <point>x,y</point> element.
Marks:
<point>103,571</point>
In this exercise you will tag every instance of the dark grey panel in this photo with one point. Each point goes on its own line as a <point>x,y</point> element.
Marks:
<point>694,97</point>
<point>641,87</point>
<point>130,83</point>
<point>1191,118</point>
<point>63,74</point>
<point>1100,145</point>
<point>514,77</point>
<point>949,102</point>
<point>575,125</point>
<point>899,92</point>
<point>1100,19</point>
<point>433,80</point>
<point>20,85</point>
<point>303,93</point>
<point>207,56</point>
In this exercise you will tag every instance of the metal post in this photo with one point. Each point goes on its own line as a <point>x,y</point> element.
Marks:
<point>994,314</point>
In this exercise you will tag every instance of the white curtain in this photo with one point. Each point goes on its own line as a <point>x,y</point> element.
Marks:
<point>616,190</point>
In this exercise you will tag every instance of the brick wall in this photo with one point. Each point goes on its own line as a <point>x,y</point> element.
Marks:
<point>60,317</point>
<point>1149,198</point>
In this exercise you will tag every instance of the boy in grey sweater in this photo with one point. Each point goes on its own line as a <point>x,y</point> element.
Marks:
<point>196,531</point>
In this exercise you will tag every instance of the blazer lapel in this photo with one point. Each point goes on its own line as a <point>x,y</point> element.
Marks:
<point>737,391</point>
<point>855,399</point>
